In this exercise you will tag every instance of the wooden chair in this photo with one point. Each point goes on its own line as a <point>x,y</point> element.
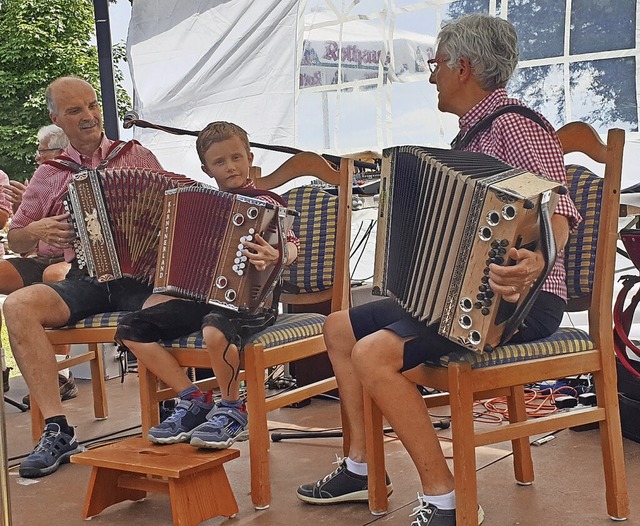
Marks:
<point>92,331</point>
<point>568,352</point>
<point>321,274</point>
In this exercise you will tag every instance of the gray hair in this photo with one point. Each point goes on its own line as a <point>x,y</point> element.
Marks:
<point>54,135</point>
<point>489,43</point>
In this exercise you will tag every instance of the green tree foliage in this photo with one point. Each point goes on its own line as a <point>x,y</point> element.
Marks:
<point>41,40</point>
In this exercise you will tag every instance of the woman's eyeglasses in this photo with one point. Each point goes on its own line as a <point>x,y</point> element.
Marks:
<point>433,63</point>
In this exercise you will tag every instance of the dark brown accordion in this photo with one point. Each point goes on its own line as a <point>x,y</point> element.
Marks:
<point>444,216</point>
<point>201,243</point>
<point>117,215</point>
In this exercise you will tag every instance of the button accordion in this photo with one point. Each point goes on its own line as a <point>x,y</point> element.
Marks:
<point>201,243</point>
<point>116,214</point>
<point>443,217</point>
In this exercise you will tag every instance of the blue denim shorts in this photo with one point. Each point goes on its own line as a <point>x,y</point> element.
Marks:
<point>427,346</point>
<point>85,295</point>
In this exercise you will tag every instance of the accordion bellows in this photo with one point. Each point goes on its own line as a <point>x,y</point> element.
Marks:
<point>444,216</point>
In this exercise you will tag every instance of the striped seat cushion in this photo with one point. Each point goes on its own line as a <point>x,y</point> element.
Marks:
<point>96,321</point>
<point>563,341</point>
<point>288,328</point>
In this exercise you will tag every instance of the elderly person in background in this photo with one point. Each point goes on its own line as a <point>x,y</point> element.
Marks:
<point>47,262</point>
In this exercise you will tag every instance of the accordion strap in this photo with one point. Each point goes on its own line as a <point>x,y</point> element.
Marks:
<point>462,140</point>
<point>255,192</point>
<point>117,148</point>
<point>549,251</point>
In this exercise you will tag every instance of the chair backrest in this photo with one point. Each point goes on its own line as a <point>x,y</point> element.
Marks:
<point>321,272</point>
<point>591,250</point>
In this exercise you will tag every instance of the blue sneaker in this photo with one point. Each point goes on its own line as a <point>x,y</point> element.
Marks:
<point>224,426</point>
<point>53,448</point>
<point>179,425</point>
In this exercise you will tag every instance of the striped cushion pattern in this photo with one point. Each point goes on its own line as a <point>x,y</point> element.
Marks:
<point>288,328</point>
<point>316,228</point>
<point>563,341</point>
<point>105,319</point>
<point>585,189</point>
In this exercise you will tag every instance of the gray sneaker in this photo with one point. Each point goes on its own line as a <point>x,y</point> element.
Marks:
<point>53,448</point>
<point>224,426</point>
<point>180,424</point>
<point>428,515</point>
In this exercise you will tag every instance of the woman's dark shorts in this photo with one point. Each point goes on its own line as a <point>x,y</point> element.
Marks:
<point>426,345</point>
<point>86,296</point>
<point>32,269</point>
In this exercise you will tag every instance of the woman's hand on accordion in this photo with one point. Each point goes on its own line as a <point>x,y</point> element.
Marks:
<point>514,281</point>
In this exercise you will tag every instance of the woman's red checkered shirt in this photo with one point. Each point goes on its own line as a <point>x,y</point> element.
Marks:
<point>524,144</point>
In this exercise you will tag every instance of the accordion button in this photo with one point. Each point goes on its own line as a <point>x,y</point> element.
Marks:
<point>504,242</point>
<point>252,231</point>
<point>480,296</point>
<point>492,253</point>
<point>478,304</point>
<point>489,294</point>
<point>499,260</point>
<point>485,311</point>
<point>487,303</point>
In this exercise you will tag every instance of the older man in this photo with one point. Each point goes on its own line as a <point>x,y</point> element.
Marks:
<point>371,345</point>
<point>74,107</point>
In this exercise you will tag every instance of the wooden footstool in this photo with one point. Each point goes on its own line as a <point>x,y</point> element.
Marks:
<point>195,479</point>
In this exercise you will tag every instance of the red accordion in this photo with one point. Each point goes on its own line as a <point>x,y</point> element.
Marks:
<point>201,243</point>
<point>117,214</point>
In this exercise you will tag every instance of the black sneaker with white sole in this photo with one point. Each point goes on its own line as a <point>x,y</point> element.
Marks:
<point>339,486</point>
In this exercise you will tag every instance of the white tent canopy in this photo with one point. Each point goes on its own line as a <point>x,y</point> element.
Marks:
<point>341,76</point>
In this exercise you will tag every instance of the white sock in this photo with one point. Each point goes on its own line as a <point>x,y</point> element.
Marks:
<point>443,502</point>
<point>359,468</point>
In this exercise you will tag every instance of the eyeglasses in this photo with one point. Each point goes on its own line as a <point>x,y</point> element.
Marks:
<point>433,63</point>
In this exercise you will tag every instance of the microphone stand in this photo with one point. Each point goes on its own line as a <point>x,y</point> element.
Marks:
<point>131,119</point>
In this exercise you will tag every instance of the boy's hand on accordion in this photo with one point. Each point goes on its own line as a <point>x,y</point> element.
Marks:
<point>260,253</point>
<point>512,281</point>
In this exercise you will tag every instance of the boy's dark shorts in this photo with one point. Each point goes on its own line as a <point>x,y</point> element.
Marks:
<point>427,346</point>
<point>86,296</point>
<point>31,269</point>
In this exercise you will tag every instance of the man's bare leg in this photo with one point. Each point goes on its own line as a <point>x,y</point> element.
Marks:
<point>27,312</point>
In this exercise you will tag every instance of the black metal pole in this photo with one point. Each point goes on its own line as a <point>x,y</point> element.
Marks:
<point>105,63</point>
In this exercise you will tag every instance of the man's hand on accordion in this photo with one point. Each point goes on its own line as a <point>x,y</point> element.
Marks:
<point>260,253</point>
<point>513,280</point>
<point>54,230</point>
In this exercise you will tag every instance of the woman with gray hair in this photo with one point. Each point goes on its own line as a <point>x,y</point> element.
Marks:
<point>371,345</point>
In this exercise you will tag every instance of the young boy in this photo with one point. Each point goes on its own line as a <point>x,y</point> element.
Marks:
<point>225,155</point>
